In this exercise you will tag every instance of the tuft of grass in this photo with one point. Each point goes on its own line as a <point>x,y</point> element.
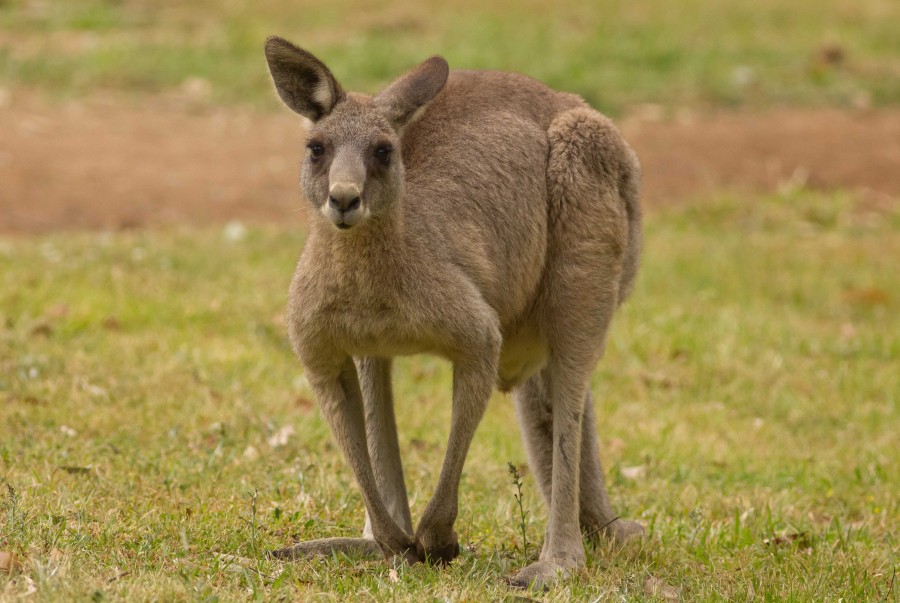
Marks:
<point>614,53</point>
<point>747,408</point>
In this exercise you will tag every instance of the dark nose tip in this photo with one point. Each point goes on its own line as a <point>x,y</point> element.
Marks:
<point>344,204</point>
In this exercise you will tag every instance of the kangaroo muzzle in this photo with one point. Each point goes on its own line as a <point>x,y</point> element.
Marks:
<point>344,206</point>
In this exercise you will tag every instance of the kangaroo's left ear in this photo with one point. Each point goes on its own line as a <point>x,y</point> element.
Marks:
<point>413,91</point>
<point>303,82</point>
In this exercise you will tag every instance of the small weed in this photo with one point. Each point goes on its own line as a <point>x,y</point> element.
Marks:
<point>15,516</point>
<point>254,528</point>
<point>523,514</point>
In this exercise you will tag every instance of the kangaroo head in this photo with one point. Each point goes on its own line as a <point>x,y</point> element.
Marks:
<point>353,168</point>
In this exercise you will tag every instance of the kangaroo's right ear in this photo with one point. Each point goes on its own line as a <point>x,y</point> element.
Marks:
<point>303,82</point>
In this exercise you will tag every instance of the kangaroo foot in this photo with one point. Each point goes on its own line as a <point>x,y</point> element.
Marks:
<point>621,531</point>
<point>324,547</point>
<point>540,575</point>
<point>437,546</point>
<point>618,531</point>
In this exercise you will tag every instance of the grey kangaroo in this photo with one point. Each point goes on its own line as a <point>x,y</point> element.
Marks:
<point>482,217</point>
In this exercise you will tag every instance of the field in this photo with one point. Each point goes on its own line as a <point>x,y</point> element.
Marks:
<point>157,435</point>
<point>156,420</point>
<point>615,53</point>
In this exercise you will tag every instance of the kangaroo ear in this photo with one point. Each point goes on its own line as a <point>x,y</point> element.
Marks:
<point>413,91</point>
<point>303,82</point>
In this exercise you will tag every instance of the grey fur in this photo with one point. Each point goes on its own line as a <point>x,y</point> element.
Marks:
<point>497,225</point>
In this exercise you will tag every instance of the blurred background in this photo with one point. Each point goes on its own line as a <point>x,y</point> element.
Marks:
<point>123,113</point>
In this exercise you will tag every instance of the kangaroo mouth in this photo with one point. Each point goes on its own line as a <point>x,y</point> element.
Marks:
<point>343,220</point>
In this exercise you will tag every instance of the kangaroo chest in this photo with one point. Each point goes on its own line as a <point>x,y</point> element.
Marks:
<point>367,313</point>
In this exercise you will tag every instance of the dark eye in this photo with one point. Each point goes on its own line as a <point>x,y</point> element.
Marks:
<point>316,149</point>
<point>383,153</point>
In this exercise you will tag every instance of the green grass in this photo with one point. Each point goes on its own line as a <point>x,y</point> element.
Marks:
<point>615,53</point>
<point>145,378</point>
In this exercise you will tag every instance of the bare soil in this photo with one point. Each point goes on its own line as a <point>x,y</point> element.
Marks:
<point>111,165</point>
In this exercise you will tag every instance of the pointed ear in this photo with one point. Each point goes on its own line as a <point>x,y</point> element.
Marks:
<point>303,82</point>
<point>413,91</point>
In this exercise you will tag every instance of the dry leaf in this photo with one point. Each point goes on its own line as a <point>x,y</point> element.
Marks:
<point>9,562</point>
<point>657,380</point>
<point>800,538</point>
<point>393,577</point>
<point>831,53</point>
<point>867,296</point>
<point>56,565</point>
<point>281,437</point>
<point>654,587</point>
<point>636,472</point>
<point>304,404</point>
<point>42,329</point>
<point>251,453</point>
<point>615,446</point>
<point>57,311</point>
<point>30,587</point>
<point>848,331</point>
<point>118,577</point>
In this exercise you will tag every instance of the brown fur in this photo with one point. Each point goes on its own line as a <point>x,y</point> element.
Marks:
<point>483,217</point>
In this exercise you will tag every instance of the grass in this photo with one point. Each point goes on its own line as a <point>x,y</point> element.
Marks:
<point>615,53</point>
<point>153,421</point>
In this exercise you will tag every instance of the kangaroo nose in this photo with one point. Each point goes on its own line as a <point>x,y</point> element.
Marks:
<point>344,197</point>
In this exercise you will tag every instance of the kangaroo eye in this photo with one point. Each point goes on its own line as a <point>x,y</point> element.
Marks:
<point>383,153</point>
<point>316,149</point>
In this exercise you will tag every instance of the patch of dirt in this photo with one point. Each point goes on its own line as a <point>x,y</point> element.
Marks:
<point>758,152</point>
<point>91,166</point>
<point>110,165</point>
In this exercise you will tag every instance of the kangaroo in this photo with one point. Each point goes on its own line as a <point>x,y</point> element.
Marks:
<point>482,217</point>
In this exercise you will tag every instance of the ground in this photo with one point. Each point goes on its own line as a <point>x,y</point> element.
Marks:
<point>113,165</point>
